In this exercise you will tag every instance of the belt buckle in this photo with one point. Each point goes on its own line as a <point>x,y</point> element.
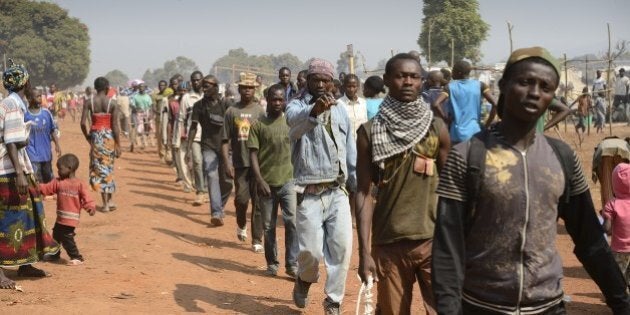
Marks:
<point>317,189</point>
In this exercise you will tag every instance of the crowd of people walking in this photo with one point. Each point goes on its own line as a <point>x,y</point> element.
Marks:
<point>439,193</point>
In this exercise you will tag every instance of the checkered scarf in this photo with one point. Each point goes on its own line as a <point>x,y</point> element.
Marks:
<point>398,126</point>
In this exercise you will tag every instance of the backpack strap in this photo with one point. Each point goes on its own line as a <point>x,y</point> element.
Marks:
<point>567,160</point>
<point>476,168</point>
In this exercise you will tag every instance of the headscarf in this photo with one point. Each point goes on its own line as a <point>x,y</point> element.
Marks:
<point>14,77</point>
<point>321,66</point>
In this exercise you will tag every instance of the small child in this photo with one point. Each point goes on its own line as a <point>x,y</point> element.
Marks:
<point>72,196</point>
<point>617,218</point>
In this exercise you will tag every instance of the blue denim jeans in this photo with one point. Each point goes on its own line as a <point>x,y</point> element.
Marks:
<point>198,170</point>
<point>285,197</point>
<point>211,170</point>
<point>324,228</point>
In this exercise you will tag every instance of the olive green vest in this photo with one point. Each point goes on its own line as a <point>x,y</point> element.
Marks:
<point>406,202</point>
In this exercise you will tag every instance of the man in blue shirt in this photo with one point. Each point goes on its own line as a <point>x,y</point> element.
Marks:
<point>323,156</point>
<point>464,95</point>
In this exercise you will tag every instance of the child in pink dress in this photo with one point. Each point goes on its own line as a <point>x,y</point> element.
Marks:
<point>617,218</point>
<point>72,196</point>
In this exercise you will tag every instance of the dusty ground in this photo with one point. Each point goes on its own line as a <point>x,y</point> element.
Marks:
<point>157,254</point>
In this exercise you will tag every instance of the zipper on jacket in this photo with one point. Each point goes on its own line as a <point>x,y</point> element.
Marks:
<point>523,236</point>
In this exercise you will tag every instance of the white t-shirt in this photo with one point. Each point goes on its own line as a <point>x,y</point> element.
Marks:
<point>357,112</point>
<point>621,85</point>
<point>598,84</point>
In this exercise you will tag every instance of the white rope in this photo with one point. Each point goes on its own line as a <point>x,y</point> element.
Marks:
<point>365,298</point>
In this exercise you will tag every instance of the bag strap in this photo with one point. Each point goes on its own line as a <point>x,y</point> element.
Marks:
<point>567,160</point>
<point>476,168</point>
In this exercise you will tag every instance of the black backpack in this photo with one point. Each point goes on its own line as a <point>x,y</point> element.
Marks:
<point>477,164</point>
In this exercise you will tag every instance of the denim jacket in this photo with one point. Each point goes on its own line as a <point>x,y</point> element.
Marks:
<point>315,155</point>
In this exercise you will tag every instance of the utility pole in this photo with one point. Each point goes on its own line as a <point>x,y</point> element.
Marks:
<point>510,27</point>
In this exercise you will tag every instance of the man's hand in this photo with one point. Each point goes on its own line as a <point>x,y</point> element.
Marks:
<point>263,188</point>
<point>21,183</point>
<point>229,170</point>
<point>91,211</point>
<point>323,104</point>
<point>58,150</point>
<point>367,267</point>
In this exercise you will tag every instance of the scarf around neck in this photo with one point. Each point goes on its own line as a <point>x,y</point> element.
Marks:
<point>398,126</point>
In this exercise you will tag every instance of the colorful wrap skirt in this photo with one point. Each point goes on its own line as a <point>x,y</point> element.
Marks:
<point>102,157</point>
<point>24,235</point>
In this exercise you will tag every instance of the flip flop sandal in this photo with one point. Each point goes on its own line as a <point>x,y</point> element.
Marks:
<point>32,272</point>
<point>74,262</point>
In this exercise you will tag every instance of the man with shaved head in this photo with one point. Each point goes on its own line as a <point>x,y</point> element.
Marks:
<point>464,95</point>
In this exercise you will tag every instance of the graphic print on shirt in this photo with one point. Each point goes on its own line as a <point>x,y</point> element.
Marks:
<point>243,124</point>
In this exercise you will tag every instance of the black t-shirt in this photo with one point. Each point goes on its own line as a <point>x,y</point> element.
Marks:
<point>209,115</point>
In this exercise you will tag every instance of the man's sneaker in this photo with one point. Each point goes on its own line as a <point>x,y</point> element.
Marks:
<point>259,249</point>
<point>241,234</point>
<point>216,221</point>
<point>198,200</point>
<point>300,292</point>
<point>331,308</point>
<point>272,270</point>
<point>291,272</point>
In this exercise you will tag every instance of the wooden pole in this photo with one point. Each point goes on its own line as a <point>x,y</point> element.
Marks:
<point>566,86</point>
<point>429,44</point>
<point>452,52</point>
<point>429,52</point>
<point>510,27</point>
<point>350,54</point>
<point>588,113</point>
<point>608,82</point>
<point>233,73</point>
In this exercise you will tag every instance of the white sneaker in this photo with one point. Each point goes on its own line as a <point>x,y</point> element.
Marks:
<point>241,234</point>
<point>259,249</point>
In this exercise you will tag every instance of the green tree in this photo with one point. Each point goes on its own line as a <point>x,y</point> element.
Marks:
<point>51,44</point>
<point>180,65</point>
<point>117,78</point>
<point>265,65</point>
<point>452,19</point>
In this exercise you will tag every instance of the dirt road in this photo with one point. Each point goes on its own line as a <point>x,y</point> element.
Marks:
<point>158,254</point>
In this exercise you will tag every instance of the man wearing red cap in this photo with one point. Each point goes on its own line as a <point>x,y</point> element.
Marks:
<point>323,156</point>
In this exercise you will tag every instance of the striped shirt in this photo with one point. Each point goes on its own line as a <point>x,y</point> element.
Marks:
<point>453,176</point>
<point>13,129</point>
<point>72,196</point>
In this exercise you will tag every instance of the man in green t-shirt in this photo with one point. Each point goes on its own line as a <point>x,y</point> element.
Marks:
<point>270,153</point>
<point>238,121</point>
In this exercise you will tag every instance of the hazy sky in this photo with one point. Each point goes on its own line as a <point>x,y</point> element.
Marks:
<point>134,36</point>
